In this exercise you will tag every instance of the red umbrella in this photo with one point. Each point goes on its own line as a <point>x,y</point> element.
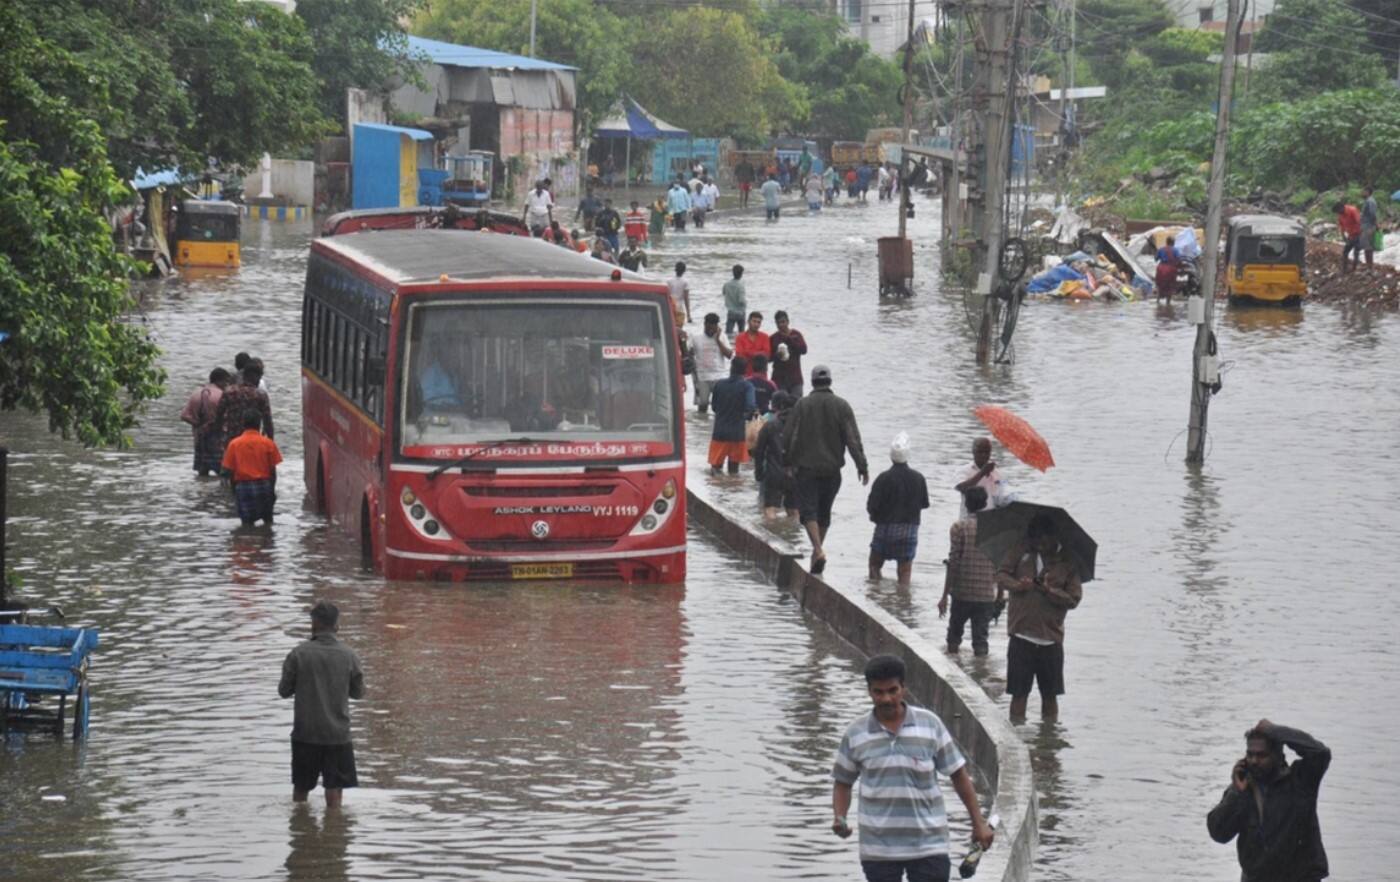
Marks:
<point>1016,435</point>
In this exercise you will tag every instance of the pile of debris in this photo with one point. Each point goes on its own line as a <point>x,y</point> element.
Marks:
<point>1374,286</point>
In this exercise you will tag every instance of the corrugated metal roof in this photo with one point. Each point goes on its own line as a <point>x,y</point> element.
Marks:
<point>472,56</point>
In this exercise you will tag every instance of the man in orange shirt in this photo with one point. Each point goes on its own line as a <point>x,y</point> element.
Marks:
<point>252,460</point>
<point>752,342</point>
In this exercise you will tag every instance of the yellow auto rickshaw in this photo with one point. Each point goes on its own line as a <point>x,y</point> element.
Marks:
<point>1264,259</point>
<point>206,233</point>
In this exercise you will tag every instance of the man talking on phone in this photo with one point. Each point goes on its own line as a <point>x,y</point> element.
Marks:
<point>1271,806</point>
<point>897,752</point>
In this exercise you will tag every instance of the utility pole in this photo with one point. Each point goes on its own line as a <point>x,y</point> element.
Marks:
<point>534,8</point>
<point>908,121</point>
<point>996,82</point>
<point>1204,362</point>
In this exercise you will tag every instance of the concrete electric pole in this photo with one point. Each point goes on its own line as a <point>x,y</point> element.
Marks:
<point>1205,370</point>
<point>995,81</point>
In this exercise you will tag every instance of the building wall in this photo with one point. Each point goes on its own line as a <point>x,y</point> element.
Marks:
<point>378,166</point>
<point>544,141</point>
<point>1188,12</point>
<point>881,24</point>
<point>292,179</point>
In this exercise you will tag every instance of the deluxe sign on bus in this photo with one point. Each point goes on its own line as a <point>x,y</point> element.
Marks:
<point>544,450</point>
<point>628,352</point>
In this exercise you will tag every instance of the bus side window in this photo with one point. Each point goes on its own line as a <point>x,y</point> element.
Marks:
<point>333,373</point>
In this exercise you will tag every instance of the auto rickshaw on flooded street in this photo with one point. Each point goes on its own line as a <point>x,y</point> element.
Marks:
<point>207,233</point>
<point>1264,257</point>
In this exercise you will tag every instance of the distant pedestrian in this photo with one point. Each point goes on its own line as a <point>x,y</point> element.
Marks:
<point>897,751</point>
<point>1271,806</point>
<point>1370,224</point>
<point>557,235</point>
<point>601,251</point>
<point>984,473</point>
<point>884,181</point>
<point>1349,222</point>
<point>251,461</point>
<point>711,192</point>
<point>970,580</point>
<point>863,176</point>
<point>241,398</point>
<point>736,301</point>
<point>763,388</point>
<point>743,177</point>
<point>1168,262</point>
<point>539,209</point>
<point>678,205</point>
<point>752,341</point>
<point>772,192</point>
<point>240,364</point>
<point>831,182</point>
<point>820,431</point>
<point>896,500</point>
<point>322,674</point>
<point>608,224</point>
<point>632,257</point>
<point>588,208</point>
<point>786,348</point>
<point>734,403</point>
<point>1044,585</point>
<point>199,412</point>
<point>712,355</point>
<point>656,226</point>
<point>814,192</point>
<point>634,225</point>
<point>699,201</point>
<point>679,288</point>
<point>770,469</point>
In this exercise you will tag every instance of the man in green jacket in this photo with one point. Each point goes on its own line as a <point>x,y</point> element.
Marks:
<point>820,430</point>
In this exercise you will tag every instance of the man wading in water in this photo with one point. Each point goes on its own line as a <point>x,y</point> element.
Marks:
<point>897,752</point>
<point>818,434</point>
<point>1272,807</point>
<point>323,674</point>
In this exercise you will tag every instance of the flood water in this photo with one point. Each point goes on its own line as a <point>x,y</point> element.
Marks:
<point>1255,586</point>
<point>509,732</point>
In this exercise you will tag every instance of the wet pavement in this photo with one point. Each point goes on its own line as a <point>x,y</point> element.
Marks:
<point>1253,587</point>
<point>509,732</point>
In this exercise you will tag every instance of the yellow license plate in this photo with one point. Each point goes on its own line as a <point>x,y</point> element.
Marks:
<point>542,571</point>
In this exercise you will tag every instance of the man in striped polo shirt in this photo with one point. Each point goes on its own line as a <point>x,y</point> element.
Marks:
<point>897,751</point>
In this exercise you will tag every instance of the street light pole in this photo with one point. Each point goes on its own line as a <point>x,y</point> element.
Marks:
<point>534,6</point>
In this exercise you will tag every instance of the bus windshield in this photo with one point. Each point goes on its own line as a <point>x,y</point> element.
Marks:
<point>582,378</point>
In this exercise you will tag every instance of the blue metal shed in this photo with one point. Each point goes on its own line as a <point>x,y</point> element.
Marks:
<point>385,172</point>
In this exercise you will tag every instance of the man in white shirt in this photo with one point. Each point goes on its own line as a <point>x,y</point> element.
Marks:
<point>712,354</point>
<point>679,288</point>
<point>539,209</point>
<point>711,194</point>
<point>984,473</point>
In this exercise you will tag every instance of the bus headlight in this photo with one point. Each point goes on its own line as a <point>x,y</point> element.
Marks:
<point>419,517</point>
<point>659,511</point>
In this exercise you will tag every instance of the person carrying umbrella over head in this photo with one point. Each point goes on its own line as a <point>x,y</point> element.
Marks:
<point>1044,584</point>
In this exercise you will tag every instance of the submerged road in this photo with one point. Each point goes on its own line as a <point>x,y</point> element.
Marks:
<point>1257,586</point>
<point>513,732</point>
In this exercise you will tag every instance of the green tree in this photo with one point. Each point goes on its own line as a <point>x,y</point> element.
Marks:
<point>183,82</point>
<point>1317,46</point>
<point>1109,32</point>
<point>64,295</point>
<point>572,32</point>
<point>358,44</point>
<point>850,89</point>
<point>710,71</point>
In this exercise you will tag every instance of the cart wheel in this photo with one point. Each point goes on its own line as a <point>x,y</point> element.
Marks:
<point>80,712</point>
<point>58,717</point>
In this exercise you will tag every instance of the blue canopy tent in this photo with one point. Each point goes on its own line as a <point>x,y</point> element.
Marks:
<point>629,120</point>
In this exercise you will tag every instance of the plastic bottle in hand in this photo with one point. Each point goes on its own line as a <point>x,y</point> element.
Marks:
<point>968,867</point>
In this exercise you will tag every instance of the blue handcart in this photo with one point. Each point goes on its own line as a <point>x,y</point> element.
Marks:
<point>38,665</point>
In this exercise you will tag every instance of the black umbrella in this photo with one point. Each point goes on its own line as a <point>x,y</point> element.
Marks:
<point>999,529</point>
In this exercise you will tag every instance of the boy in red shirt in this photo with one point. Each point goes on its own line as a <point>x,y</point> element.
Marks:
<point>752,342</point>
<point>635,223</point>
<point>251,459</point>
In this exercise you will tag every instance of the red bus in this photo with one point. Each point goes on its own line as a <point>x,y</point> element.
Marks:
<point>480,408</point>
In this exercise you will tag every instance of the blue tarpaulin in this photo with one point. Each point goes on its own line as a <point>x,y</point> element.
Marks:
<point>629,119</point>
